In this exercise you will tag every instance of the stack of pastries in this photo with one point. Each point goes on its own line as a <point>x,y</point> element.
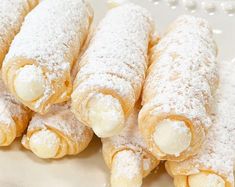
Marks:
<point>148,98</point>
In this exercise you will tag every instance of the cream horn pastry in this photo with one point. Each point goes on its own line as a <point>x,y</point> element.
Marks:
<point>37,69</point>
<point>57,133</point>
<point>112,70</point>
<point>14,117</point>
<point>178,90</point>
<point>213,166</point>
<point>12,14</point>
<point>127,156</point>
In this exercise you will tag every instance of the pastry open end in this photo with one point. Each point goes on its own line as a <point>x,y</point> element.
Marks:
<point>56,134</point>
<point>105,115</point>
<point>202,179</point>
<point>172,137</point>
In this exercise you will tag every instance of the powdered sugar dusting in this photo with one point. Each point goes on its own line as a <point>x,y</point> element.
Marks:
<point>183,74</point>
<point>218,151</point>
<point>46,138</point>
<point>116,59</point>
<point>5,116</point>
<point>131,139</point>
<point>128,165</point>
<point>52,35</point>
<point>12,13</point>
<point>9,107</point>
<point>61,119</point>
<point>130,136</point>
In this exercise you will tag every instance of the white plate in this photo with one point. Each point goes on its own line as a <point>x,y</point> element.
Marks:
<point>20,168</point>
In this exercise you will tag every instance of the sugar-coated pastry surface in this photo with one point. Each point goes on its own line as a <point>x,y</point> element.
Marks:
<point>217,154</point>
<point>14,117</point>
<point>37,69</point>
<point>57,133</point>
<point>179,89</point>
<point>12,13</point>
<point>127,156</point>
<point>112,69</point>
